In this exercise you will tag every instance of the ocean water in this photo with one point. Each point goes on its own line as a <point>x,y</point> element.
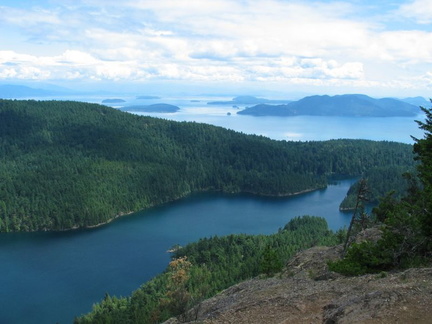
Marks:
<point>297,128</point>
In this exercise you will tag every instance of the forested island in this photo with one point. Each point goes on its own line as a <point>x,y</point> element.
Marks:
<point>353,105</point>
<point>71,165</point>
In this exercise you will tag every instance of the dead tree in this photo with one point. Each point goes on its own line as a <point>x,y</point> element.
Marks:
<point>359,213</point>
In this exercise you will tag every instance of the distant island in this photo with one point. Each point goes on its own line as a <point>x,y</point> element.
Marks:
<point>247,100</point>
<point>160,107</point>
<point>350,105</point>
<point>148,97</point>
<point>10,91</point>
<point>416,101</point>
<point>111,101</point>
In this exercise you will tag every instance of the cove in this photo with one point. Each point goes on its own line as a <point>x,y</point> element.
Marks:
<point>53,277</point>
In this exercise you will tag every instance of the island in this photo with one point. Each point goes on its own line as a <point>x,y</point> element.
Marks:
<point>160,107</point>
<point>350,105</point>
<point>113,101</point>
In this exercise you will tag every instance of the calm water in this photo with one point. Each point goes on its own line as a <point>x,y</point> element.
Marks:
<point>52,277</point>
<point>297,128</point>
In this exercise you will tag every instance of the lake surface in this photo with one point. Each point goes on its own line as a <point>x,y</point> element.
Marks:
<point>52,277</point>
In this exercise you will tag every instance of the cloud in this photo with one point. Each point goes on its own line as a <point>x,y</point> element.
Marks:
<point>419,10</point>
<point>406,46</point>
<point>300,42</point>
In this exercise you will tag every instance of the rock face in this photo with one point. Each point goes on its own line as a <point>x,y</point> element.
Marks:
<point>307,292</point>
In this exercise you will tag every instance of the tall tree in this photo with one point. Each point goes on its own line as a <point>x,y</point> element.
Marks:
<point>423,151</point>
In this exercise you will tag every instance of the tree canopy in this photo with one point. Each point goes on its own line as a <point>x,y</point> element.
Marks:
<point>68,164</point>
<point>406,223</point>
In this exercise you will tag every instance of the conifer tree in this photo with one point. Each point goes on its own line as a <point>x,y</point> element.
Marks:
<point>423,150</point>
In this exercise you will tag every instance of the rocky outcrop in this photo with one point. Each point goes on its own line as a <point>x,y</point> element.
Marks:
<point>307,292</point>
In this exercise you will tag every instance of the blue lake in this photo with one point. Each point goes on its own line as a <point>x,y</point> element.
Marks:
<point>52,277</point>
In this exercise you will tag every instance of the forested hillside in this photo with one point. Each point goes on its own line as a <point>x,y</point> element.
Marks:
<point>402,240</point>
<point>201,269</point>
<point>405,224</point>
<point>381,181</point>
<point>69,164</point>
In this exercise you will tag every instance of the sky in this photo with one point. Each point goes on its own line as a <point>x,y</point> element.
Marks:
<point>380,48</point>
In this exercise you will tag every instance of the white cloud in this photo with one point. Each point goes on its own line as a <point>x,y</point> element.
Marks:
<point>419,10</point>
<point>26,18</point>
<point>301,42</point>
<point>406,46</point>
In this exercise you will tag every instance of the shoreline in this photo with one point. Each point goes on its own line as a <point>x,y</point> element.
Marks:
<point>110,220</point>
<point>183,196</point>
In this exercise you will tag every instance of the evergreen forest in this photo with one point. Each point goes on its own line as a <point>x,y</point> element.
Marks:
<point>405,222</point>
<point>68,164</point>
<point>199,270</point>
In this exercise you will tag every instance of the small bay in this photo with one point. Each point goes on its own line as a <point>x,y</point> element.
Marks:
<point>52,277</point>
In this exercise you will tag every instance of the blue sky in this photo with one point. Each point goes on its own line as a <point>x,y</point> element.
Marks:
<point>358,46</point>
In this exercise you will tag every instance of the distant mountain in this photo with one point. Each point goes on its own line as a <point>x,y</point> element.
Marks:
<point>353,105</point>
<point>417,101</point>
<point>9,91</point>
<point>161,107</point>
<point>247,100</point>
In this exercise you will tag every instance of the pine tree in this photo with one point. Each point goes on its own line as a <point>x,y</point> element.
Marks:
<point>423,150</point>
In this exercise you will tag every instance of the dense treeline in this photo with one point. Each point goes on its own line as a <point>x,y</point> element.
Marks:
<point>406,223</point>
<point>380,181</point>
<point>200,270</point>
<point>68,164</point>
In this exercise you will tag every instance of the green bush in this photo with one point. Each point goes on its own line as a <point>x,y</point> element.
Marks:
<point>365,257</point>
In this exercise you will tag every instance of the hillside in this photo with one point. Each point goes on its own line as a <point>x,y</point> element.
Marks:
<point>354,105</point>
<point>380,274</point>
<point>70,164</point>
<point>307,292</point>
<point>201,269</point>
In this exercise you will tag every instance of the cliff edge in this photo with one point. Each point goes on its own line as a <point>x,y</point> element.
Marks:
<point>307,292</point>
